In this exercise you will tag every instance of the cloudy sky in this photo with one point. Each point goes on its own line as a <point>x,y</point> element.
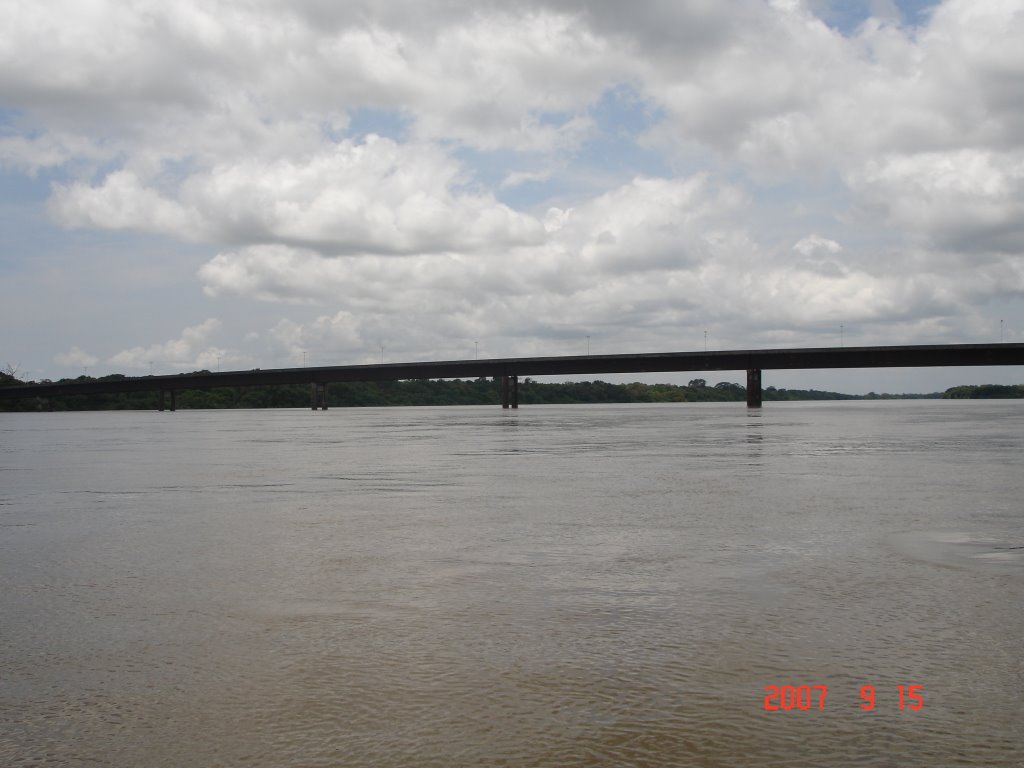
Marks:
<point>247,183</point>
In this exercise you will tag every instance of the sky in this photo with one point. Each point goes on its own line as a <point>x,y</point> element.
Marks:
<point>246,183</point>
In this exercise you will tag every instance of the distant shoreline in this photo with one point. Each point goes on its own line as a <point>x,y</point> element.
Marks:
<point>480,391</point>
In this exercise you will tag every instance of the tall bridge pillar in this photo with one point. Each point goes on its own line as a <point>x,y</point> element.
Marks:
<point>509,391</point>
<point>318,395</point>
<point>162,401</point>
<point>753,388</point>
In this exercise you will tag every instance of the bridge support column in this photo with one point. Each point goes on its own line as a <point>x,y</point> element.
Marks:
<point>174,399</point>
<point>510,391</point>
<point>318,395</point>
<point>162,402</point>
<point>753,388</point>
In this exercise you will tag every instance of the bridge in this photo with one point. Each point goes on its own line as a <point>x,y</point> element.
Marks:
<point>508,370</point>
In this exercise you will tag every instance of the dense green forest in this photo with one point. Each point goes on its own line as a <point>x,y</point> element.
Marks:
<point>985,392</point>
<point>482,391</point>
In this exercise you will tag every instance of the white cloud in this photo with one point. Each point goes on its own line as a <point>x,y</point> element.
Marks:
<point>327,340</point>
<point>375,196</point>
<point>656,254</point>
<point>647,225</point>
<point>968,200</point>
<point>650,224</point>
<point>185,352</point>
<point>486,77</point>
<point>788,93</point>
<point>820,255</point>
<point>121,202</point>
<point>76,358</point>
<point>816,246</point>
<point>457,168</point>
<point>50,150</point>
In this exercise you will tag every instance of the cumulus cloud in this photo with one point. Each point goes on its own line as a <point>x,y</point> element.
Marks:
<point>460,169</point>
<point>485,76</point>
<point>654,253</point>
<point>371,196</point>
<point>75,358</point>
<point>31,154</point>
<point>327,340</point>
<point>647,225</point>
<point>185,352</point>
<point>786,91</point>
<point>121,202</point>
<point>819,254</point>
<point>969,201</point>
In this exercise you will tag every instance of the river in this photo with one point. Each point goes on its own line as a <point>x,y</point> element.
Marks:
<point>554,586</point>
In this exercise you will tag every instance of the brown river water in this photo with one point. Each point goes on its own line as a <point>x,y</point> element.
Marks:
<point>558,586</point>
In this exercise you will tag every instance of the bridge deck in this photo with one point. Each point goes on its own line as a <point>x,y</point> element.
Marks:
<point>655,362</point>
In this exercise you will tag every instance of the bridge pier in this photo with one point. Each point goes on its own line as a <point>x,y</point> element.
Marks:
<point>162,401</point>
<point>753,388</point>
<point>318,395</point>
<point>509,391</point>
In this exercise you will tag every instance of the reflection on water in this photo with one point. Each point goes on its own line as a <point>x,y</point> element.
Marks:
<point>578,586</point>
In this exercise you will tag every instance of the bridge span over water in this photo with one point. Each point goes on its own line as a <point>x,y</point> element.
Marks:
<point>508,370</point>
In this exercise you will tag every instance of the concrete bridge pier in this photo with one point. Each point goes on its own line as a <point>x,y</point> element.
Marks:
<point>753,388</point>
<point>509,391</point>
<point>318,395</point>
<point>163,404</point>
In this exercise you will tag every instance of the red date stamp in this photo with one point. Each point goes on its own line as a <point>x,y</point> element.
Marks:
<point>789,697</point>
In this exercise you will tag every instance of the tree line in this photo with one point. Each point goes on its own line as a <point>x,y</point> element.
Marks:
<point>480,391</point>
